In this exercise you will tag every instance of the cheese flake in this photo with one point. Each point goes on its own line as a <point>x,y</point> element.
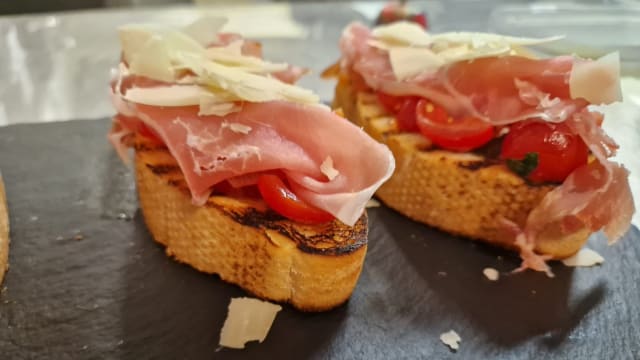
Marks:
<point>413,51</point>
<point>451,339</point>
<point>584,257</point>
<point>237,127</point>
<point>409,61</point>
<point>597,81</point>
<point>247,320</point>
<point>165,54</point>
<point>252,64</point>
<point>205,28</point>
<point>402,32</point>
<point>491,273</point>
<point>328,170</point>
<point>371,203</point>
<point>173,95</point>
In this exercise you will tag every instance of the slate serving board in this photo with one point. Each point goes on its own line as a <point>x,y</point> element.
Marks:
<point>86,281</point>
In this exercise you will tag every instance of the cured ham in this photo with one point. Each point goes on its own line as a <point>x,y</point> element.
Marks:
<point>489,82</point>
<point>209,152</point>
<point>268,125</point>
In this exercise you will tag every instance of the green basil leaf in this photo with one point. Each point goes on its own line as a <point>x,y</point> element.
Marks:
<point>525,166</point>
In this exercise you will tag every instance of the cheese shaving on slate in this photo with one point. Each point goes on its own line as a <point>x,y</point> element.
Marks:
<point>584,257</point>
<point>219,76</point>
<point>491,274</point>
<point>451,339</point>
<point>247,320</point>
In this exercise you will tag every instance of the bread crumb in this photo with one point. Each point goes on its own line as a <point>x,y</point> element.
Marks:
<point>442,273</point>
<point>78,237</point>
<point>584,257</point>
<point>451,339</point>
<point>123,216</point>
<point>491,274</point>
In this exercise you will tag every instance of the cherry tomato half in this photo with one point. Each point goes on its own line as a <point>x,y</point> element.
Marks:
<point>463,134</point>
<point>559,152</point>
<point>283,201</point>
<point>389,102</point>
<point>403,107</point>
<point>406,116</point>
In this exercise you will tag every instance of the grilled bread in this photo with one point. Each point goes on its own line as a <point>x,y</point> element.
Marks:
<point>313,267</point>
<point>4,232</point>
<point>462,193</point>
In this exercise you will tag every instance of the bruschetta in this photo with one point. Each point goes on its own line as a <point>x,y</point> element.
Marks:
<point>490,142</point>
<point>239,172</point>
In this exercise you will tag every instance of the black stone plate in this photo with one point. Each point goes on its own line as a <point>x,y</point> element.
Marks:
<point>87,282</point>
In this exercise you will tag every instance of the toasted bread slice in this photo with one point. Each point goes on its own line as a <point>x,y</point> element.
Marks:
<point>461,193</point>
<point>4,232</point>
<point>313,267</point>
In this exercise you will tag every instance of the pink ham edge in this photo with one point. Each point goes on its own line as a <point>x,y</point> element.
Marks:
<point>208,153</point>
<point>597,196</point>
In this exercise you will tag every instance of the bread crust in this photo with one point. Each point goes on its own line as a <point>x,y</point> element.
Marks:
<point>461,193</point>
<point>312,267</point>
<point>4,232</point>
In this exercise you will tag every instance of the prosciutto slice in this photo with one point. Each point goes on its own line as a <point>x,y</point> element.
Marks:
<point>276,135</point>
<point>506,89</point>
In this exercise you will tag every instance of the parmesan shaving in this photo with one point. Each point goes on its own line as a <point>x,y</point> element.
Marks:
<point>248,63</point>
<point>152,61</point>
<point>597,81</point>
<point>413,51</point>
<point>372,203</point>
<point>478,39</point>
<point>451,339</point>
<point>328,170</point>
<point>218,108</point>
<point>237,127</point>
<point>218,104</point>
<point>173,95</point>
<point>408,61</point>
<point>584,257</point>
<point>402,32</point>
<point>245,85</point>
<point>491,274</point>
<point>223,72</point>
<point>247,320</point>
<point>205,28</point>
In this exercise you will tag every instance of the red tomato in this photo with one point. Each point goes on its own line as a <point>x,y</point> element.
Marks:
<point>420,19</point>
<point>280,198</point>
<point>462,134</point>
<point>559,151</point>
<point>403,107</point>
<point>406,115</point>
<point>389,102</point>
